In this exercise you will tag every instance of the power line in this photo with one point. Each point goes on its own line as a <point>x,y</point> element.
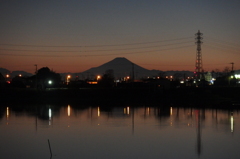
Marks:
<point>87,55</point>
<point>98,50</point>
<point>224,46</point>
<point>223,49</point>
<point>221,44</point>
<point>221,41</point>
<point>140,64</point>
<point>95,45</point>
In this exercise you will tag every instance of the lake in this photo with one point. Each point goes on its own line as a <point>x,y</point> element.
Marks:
<point>117,132</point>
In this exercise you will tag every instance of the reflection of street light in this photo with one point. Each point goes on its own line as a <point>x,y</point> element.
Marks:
<point>50,115</point>
<point>126,110</point>
<point>69,110</point>
<point>98,110</point>
<point>7,112</point>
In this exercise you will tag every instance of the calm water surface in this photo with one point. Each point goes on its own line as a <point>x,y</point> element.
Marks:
<point>118,132</point>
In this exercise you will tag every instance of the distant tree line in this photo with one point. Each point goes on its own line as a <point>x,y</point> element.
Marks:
<point>46,78</point>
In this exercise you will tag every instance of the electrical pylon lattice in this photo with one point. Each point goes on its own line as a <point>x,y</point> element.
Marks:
<point>198,66</point>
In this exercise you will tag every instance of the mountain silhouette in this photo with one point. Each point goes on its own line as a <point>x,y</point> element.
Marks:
<point>14,73</point>
<point>121,67</point>
<point>4,70</point>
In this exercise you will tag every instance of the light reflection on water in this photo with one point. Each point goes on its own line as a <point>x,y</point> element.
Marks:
<point>118,132</point>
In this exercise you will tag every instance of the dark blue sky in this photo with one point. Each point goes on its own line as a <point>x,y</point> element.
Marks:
<point>72,36</point>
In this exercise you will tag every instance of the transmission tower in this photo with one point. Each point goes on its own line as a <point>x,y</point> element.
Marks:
<point>198,67</point>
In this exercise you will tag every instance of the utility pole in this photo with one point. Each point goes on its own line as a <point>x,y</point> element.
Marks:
<point>36,75</point>
<point>36,68</point>
<point>133,78</point>
<point>198,66</point>
<point>232,66</point>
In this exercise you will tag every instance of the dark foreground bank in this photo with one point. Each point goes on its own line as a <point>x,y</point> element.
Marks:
<point>202,97</point>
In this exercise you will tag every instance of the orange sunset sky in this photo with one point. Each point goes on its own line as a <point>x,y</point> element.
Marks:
<point>73,36</point>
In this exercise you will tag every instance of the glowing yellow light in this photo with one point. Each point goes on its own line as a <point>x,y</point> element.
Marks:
<point>98,111</point>
<point>92,82</point>
<point>170,110</point>
<point>98,77</point>
<point>7,75</point>
<point>69,110</point>
<point>68,79</point>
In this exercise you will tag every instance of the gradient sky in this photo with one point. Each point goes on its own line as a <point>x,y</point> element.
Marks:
<point>75,35</point>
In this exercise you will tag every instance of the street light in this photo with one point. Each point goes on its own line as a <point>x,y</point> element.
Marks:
<point>50,82</point>
<point>68,79</point>
<point>98,77</point>
<point>127,78</point>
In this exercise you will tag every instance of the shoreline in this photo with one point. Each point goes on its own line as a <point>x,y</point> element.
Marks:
<point>188,96</point>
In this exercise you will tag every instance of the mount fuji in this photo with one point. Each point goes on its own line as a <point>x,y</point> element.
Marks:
<point>121,67</point>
